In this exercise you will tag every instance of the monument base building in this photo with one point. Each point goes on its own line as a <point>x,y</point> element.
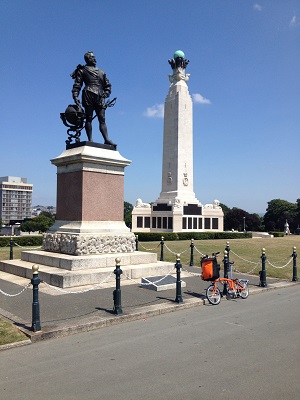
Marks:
<point>167,217</point>
<point>177,209</point>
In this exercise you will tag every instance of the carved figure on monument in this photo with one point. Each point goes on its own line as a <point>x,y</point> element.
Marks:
<point>185,179</point>
<point>216,204</point>
<point>178,65</point>
<point>97,89</point>
<point>177,203</point>
<point>139,203</point>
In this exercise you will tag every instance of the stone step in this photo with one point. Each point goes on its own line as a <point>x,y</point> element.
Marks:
<point>74,263</point>
<point>67,279</point>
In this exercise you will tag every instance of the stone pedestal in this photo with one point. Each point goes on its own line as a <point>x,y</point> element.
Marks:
<point>90,202</point>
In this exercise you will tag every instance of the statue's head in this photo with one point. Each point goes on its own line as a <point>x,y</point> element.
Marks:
<point>90,58</point>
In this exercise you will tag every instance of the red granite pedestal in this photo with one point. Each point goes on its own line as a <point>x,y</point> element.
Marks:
<point>90,203</point>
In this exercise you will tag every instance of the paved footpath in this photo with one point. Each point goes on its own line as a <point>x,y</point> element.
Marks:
<point>240,348</point>
<point>63,313</point>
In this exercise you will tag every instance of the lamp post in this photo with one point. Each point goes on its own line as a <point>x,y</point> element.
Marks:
<point>244,218</point>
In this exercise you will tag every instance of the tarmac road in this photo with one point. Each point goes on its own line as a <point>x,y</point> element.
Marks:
<point>238,349</point>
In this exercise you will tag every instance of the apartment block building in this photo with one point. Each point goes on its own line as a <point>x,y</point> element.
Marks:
<point>16,199</point>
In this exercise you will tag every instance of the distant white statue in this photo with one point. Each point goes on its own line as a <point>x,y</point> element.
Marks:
<point>286,228</point>
<point>139,203</point>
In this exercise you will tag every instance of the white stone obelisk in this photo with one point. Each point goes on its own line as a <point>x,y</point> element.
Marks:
<point>177,168</point>
<point>177,209</point>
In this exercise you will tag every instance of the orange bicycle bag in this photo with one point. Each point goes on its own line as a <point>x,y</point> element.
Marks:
<point>210,269</point>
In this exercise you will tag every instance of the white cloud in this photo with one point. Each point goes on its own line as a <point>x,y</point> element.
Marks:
<point>156,111</point>
<point>198,98</point>
<point>293,22</point>
<point>257,7</point>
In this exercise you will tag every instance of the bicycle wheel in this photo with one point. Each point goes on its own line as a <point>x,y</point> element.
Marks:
<point>243,290</point>
<point>213,295</point>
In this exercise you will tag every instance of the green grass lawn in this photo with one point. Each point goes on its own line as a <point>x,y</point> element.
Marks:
<point>9,333</point>
<point>245,253</point>
<point>4,252</point>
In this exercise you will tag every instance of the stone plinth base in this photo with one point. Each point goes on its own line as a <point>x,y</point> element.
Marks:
<point>66,271</point>
<point>88,244</point>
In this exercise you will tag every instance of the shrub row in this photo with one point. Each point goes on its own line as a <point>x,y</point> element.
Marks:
<point>22,240</point>
<point>168,236</point>
<point>277,234</point>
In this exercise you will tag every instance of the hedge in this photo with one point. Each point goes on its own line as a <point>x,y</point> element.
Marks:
<point>277,234</point>
<point>168,236</point>
<point>22,240</point>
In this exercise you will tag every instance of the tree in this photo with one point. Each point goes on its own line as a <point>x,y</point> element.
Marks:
<point>41,223</point>
<point>128,207</point>
<point>28,226</point>
<point>278,212</point>
<point>297,219</point>
<point>224,208</point>
<point>236,219</point>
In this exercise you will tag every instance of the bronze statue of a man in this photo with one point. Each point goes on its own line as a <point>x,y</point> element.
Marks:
<point>97,89</point>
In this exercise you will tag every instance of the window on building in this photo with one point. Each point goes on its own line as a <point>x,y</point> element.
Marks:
<point>194,223</point>
<point>165,219</point>
<point>206,223</point>
<point>153,222</point>
<point>159,222</point>
<point>139,222</point>
<point>215,223</point>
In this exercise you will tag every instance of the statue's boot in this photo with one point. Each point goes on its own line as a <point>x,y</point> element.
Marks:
<point>108,141</point>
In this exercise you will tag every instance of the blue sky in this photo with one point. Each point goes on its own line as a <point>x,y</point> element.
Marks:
<point>244,79</point>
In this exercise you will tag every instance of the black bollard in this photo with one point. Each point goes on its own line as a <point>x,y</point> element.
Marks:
<point>117,293</point>
<point>178,265</point>
<point>11,249</point>
<point>136,242</point>
<point>294,255</point>
<point>162,249</point>
<point>263,272</point>
<point>35,281</point>
<point>227,248</point>
<point>192,253</point>
<point>226,267</point>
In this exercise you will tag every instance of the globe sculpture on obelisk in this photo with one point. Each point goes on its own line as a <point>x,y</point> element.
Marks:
<point>177,208</point>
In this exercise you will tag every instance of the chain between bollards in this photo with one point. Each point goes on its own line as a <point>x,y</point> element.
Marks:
<point>162,249</point>
<point>192,253</point>
<point>178,266</point>
<point>263,272</point>
<point>117,293</point>
<point>35,281</point>
<point>295,275</point>
<point>11,249</point>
